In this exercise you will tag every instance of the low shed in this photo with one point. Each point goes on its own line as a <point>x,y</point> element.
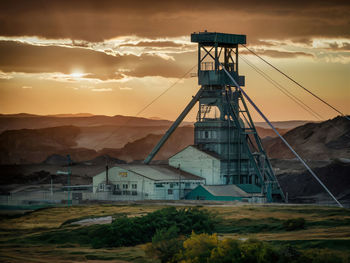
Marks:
<point>224,193</point>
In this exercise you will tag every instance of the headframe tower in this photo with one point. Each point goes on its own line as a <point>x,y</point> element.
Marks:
<point>224,125</point>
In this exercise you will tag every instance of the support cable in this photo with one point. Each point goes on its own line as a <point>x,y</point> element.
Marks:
<point>279,135</point>
<point>283,90</point>
<point>150,103</point>
<point>288,93</point>
<point>297,83</point>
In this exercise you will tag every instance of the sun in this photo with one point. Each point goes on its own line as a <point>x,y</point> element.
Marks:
<point>77,74</point>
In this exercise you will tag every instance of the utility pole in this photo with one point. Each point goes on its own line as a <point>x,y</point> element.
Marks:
<point>68,173</point>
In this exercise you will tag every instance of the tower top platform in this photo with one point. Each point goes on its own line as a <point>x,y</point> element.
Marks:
<point>210,38</point>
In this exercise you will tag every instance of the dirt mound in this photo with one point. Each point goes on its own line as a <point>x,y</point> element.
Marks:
<point>102,160</point>
<point>56,159</point>
<point>336,176</point>
<point>314,141</point>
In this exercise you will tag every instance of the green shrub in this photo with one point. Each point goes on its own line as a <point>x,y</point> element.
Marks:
<point>126,231</point>
<point>165,244</point>
<point>294,224</point>
<point>209,249</point>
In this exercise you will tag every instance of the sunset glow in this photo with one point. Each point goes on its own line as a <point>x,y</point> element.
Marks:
<point>115,58</point>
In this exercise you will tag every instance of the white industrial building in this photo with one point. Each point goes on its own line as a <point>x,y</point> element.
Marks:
<point>187,170</point>
<point>144,182</point>
<point>198,162</point>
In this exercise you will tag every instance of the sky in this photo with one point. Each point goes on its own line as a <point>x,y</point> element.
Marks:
<point>115,57</point>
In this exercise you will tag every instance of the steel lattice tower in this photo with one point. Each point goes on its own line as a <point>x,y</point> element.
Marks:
<point>224,125</point>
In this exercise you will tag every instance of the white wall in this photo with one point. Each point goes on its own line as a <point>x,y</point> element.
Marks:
<point>199,163</point>
<point>146,188</point>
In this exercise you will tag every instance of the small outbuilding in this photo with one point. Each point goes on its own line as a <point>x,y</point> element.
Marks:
<point>226,193</point>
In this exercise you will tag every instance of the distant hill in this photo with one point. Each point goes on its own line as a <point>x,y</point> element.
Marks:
<point>71,115</point>
<point>282,124</point>
<point>139,149</point>
<point>27,121</point>
<point>35,145</point>
<point>85,142</point>
<point>32,121</point>
<point>316,141</point>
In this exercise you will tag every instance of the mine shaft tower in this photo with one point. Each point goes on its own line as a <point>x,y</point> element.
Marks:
<point>224,125</point>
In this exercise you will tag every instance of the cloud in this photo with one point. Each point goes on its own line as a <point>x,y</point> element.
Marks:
<point>156,44</point>
<point>93,20</point>
<point>19,57</point>
<point>125,88</point>
<point>26,87</point>
<point>4,75</point>
<point>101,89</point>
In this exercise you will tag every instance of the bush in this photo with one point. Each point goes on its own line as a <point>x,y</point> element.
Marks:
<point>294,224</point>
<point>197,248</point>
<point>165,244</point>
<point>126,231</point>
<point>209,249</point>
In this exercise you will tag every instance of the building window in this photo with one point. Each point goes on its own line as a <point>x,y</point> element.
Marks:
<point>170,191</point>
<point>214,134</point>
<point>134,192</point>
<point>187,185</point>
<point>134,186</point>
<point>199,134</point>
<point>125,186</point>
<point>206,134</point>
<point>117,186</point>
<point>102,186</point>
<point>171,185</point>
<point>126,192</point>
<point>159,185</point>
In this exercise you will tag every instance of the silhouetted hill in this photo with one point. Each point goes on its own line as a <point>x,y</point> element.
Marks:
<point>84,143</point>
<point>29,121</point>
<point>35,145</point>
<point>302,186</point>
<point>316,141</point>
<point>139,149</point>
<point>282,124</point>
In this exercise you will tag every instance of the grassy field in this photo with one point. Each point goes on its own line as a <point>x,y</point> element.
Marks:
<point>325,227</point>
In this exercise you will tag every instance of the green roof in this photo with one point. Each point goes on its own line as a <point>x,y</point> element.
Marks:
<point>220,38</point>
<point>249,188</point>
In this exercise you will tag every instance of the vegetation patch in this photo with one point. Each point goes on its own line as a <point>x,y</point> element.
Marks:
<point>294,224</point>
<point>271,224</point>
<point>210,249</point>
<point>126,231</point>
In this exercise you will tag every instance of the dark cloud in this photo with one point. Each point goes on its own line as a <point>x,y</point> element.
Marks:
<point>18,57</point>
<point>103,19</point>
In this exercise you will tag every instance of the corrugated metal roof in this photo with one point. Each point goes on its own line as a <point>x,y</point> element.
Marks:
<point>159,172</point>
<point>225,190</point>
<point>250,188</point>
<point>212,154</point>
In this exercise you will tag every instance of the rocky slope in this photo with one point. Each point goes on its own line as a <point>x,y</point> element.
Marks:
<point>314,141</point>
<point>35,145</point>
<point>302,187</point>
